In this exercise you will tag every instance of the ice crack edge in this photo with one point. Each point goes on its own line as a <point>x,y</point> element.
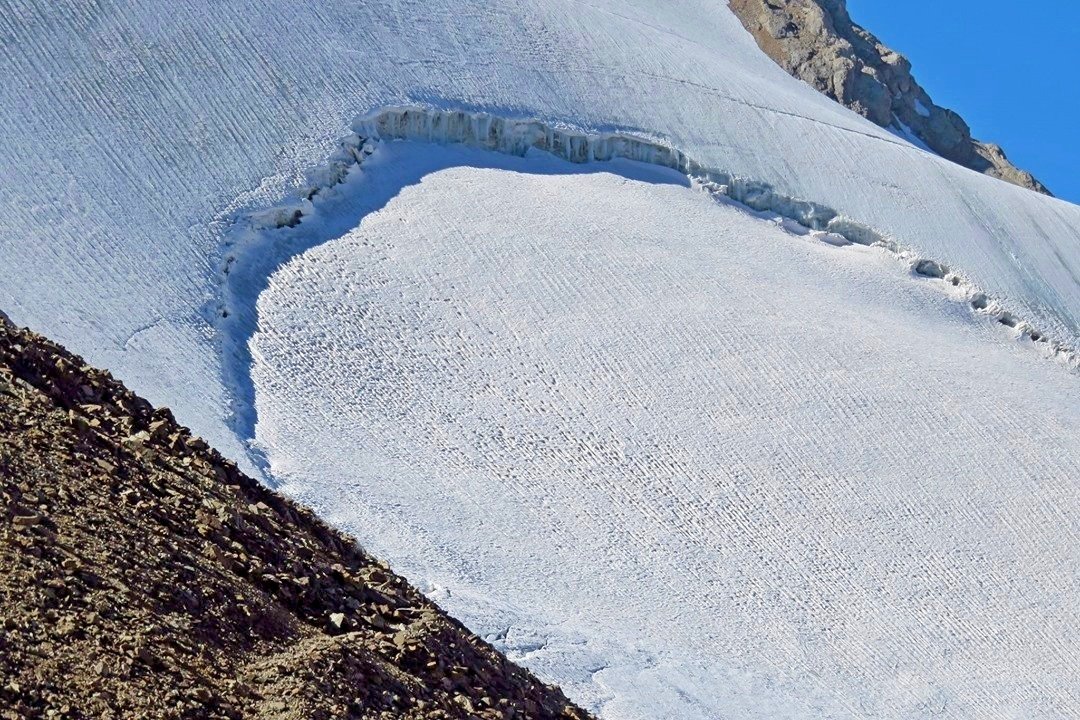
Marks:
<point>517,137</point>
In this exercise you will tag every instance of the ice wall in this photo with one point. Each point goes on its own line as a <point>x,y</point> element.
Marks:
<point>518,137</point>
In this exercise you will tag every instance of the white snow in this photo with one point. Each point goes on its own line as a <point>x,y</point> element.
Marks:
<point>132,136</point>
<point>682,461</point>
<point>921,109</point>
<point>688,460</point>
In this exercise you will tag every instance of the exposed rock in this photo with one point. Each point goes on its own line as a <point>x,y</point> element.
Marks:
<point>817,42</point>
<point>143,576</point>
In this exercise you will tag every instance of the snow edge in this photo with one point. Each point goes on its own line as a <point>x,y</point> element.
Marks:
<point>514,136</point>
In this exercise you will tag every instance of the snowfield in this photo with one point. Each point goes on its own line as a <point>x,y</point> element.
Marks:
<point>677,458</point>
<point>687,459</point>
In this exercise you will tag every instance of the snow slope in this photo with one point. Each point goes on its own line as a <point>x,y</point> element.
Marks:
<point>135,138</point>
<point>132,135</point>
<point>685,462</point>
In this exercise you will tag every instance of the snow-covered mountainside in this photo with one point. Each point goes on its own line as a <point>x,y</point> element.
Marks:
<point>687,462</point>
<point>684,458</point>
<point>817,41</point>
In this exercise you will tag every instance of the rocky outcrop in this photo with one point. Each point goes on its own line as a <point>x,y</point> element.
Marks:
<point>817,42</point>
<point>517,136</point>
<point>143,576</point>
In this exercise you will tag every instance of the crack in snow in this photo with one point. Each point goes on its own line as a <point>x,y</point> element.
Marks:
<point>515,136</point>
<point>263,240</point>
<point>145,327</point>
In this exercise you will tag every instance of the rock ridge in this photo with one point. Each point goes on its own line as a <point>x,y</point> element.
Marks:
<point>817,42</point>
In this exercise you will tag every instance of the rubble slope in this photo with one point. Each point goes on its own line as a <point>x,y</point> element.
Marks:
<point>142,575</point>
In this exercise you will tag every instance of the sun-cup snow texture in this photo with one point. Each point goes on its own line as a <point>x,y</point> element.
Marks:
<point>133,136</point>
<point>680,460</point>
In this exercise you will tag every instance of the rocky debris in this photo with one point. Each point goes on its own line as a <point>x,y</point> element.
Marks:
<point>817,42</point>
<point>143,576</point>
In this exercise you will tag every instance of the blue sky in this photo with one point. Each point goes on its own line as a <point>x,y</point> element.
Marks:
<point>1009,68</point>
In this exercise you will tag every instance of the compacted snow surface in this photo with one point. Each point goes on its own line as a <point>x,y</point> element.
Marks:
<point>687,460</point>
<point>678,459</point>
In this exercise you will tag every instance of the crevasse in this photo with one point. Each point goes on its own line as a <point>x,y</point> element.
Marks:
<point>517,137</point>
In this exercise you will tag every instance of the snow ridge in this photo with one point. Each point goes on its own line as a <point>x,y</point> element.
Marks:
<point>257,240</point>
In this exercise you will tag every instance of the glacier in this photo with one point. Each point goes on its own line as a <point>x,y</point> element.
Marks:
<point>842,481</point>
<point>620,425</point>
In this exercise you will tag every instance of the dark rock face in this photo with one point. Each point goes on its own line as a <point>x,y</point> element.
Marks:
<point>817,42</point>
<point>143,576</point>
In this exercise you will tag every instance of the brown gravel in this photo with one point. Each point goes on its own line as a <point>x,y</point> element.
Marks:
<point>143,576</point>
